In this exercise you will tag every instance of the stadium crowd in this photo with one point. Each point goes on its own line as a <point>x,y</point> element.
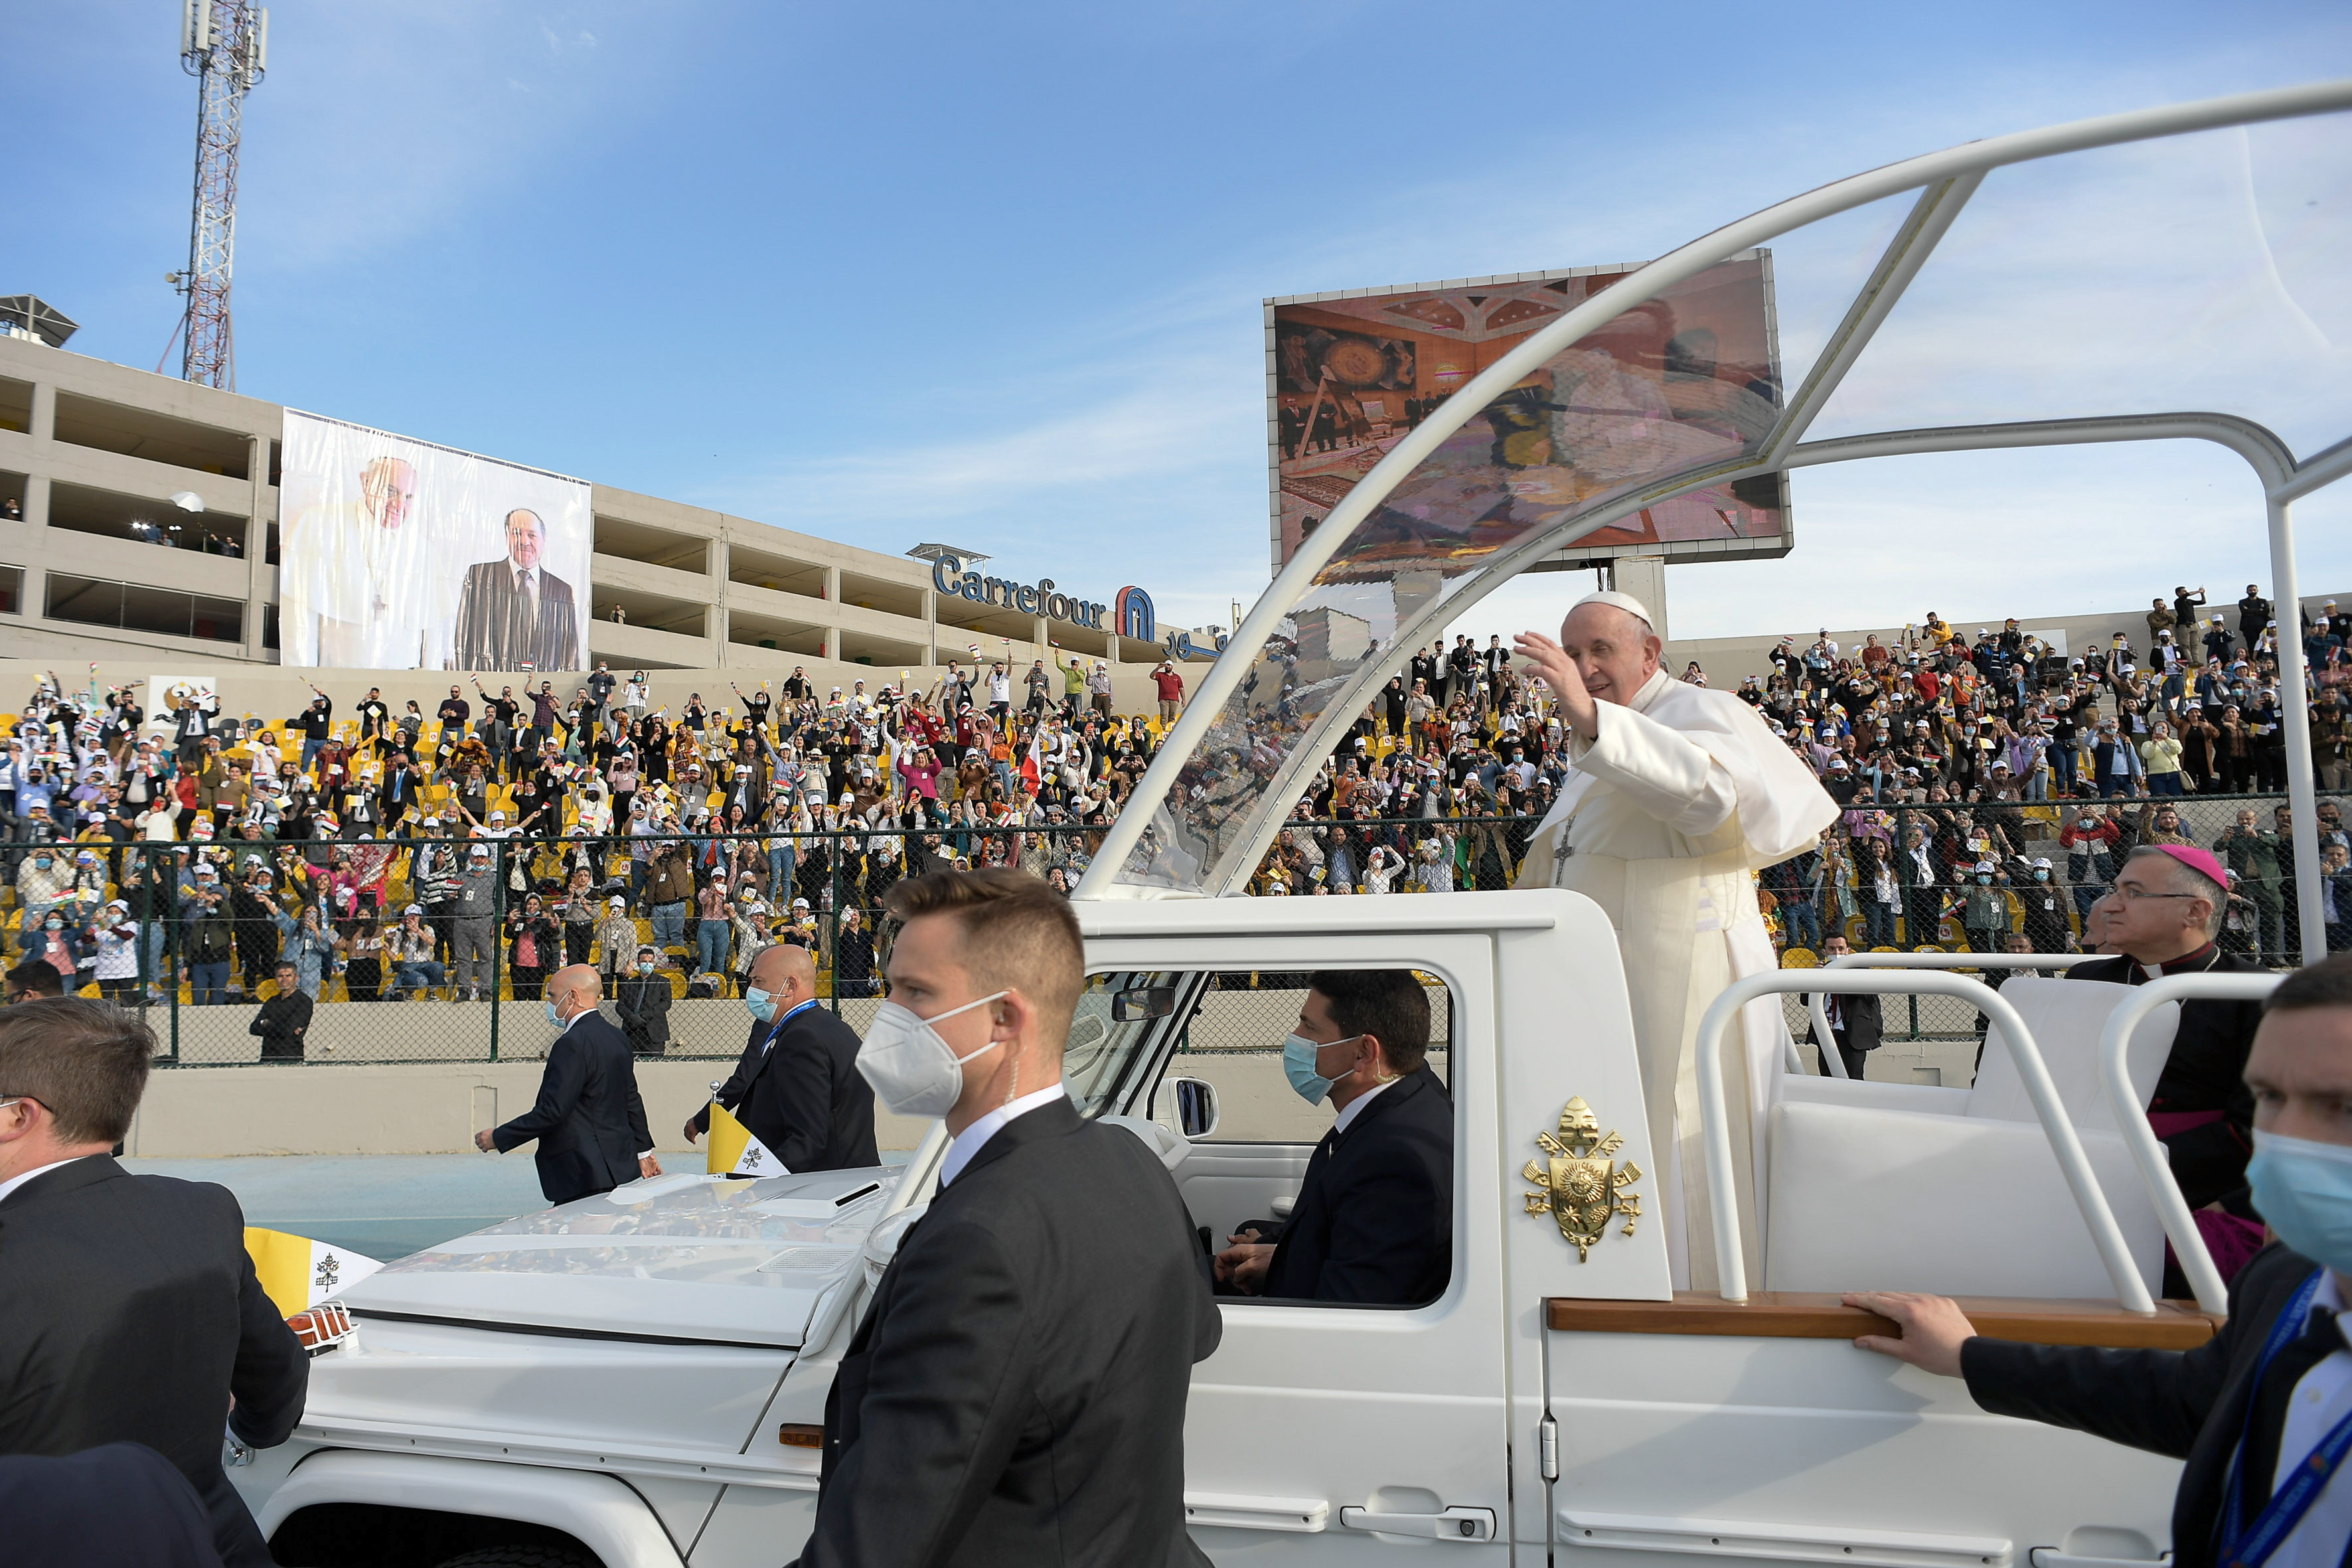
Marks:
<point>1990,786</point>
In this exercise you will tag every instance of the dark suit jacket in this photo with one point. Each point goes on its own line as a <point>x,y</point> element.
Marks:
<point>1016,1394</point>
<point>120,1503</point>
<point>495,630</point>
<point>282,1022</point>
<point>131,1314</point>
<point>1374,1219</point>
<point>589,1122</point>
<point>2187,1404</point>
<point>804,1098</point>
<point>1864,1028</point>
<point>2206,1071</point>
<point>643,1001</point>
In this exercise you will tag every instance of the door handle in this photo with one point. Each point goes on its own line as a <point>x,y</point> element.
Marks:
<point>1453,1524</point>
<point>2051,1557</point>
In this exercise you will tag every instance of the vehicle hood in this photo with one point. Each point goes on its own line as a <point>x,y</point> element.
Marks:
<point>704,1259</point>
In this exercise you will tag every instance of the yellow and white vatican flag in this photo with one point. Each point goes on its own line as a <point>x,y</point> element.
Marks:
<point>734,1151</point>
<point>298,1273</point>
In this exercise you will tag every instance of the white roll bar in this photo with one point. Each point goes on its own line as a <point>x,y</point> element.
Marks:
<point>2155,1166</point>
<point>1715,1119</point>
<point>1930,961</point>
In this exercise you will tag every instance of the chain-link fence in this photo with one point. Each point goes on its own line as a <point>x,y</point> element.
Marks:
<point>434,947</point>
<point>437,949</point>
<point>1234,1041</point>
<point>2021,876</point>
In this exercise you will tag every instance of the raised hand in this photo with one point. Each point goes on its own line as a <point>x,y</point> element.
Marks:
<point>1552,666</point>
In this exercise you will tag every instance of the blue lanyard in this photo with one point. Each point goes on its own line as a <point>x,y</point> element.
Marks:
<point>787,1018</point>
<point>2251,1549</point>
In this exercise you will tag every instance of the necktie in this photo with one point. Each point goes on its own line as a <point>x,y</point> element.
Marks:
<point>2320,1338</point>
<point>524,623</point>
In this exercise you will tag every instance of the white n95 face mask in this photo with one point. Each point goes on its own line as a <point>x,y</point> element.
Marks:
<point>913,1071</point>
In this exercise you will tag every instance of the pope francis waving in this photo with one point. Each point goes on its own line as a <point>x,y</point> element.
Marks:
<point>1676,795</point>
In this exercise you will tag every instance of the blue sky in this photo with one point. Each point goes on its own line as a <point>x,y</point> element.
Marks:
<point>992,274</point>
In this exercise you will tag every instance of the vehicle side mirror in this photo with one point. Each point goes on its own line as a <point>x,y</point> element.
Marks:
<point>1196,1106</point>
<point>1142,1001</point>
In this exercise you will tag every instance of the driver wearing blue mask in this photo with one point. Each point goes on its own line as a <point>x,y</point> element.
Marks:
<point>796,1088</point>
<point>1373,1223</point>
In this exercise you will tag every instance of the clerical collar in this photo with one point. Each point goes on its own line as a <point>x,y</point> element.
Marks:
<point>2187,964</point>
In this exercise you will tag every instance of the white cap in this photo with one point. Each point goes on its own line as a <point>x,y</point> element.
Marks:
<point>1626,602</point>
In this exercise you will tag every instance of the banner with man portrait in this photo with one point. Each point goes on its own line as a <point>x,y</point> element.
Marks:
<point>397,554</point>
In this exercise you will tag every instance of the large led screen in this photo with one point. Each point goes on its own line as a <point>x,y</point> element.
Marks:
<point>1670,383</point>
<point>400,554</point>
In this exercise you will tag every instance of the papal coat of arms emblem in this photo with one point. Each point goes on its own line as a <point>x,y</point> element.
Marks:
<point>1581,1186</point>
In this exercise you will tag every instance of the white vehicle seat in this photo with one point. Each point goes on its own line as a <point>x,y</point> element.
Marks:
<point>1956,1191</point>
<point>1171,1146</point>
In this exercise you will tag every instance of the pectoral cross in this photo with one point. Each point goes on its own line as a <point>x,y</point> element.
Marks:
<point>1564,853</point>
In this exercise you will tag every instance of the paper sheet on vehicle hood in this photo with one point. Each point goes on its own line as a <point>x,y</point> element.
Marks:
<point>686,1257</point>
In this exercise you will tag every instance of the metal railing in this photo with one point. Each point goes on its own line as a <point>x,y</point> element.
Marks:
<point>1819,1011</point>
<point>1714,1117</point>
<point>2139,1136</point>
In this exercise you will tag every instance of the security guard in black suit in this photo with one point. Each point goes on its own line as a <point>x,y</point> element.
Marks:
<point>797,1089</point>
<point>589,1122</point>
<point>2263,1411</point>
<point>130,1311</point>
<point>1016,1394</point>
<point>1373,1223</point>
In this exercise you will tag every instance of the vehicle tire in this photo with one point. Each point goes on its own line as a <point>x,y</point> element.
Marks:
<point>521,1557</point>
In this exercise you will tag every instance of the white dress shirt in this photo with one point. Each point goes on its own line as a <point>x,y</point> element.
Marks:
<point>2322,1398</point>
<point>972,1139</point>
<point>21,1177</point>
<point>1355,1107</point>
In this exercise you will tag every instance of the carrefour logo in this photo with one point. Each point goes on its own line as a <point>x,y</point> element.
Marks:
<point>1133,617</point>
<point>947,576</point>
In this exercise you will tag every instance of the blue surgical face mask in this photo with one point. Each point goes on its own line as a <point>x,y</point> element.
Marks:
<point>1298,1055</point>
<point>2304,1190</point>
<point>761,1003</point>
<point>553,1017</point>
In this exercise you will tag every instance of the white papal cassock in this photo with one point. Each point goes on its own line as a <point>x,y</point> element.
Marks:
<point>1663,821</point>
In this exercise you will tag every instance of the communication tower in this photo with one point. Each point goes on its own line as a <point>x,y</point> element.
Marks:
<point>225,45</point>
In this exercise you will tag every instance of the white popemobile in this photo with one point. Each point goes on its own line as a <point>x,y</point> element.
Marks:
<point>637,1380</point>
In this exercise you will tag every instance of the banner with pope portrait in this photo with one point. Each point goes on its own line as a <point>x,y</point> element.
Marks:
<point>397,554</point>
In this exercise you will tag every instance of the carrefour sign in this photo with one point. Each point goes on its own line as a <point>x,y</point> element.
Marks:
<point>1130,607</point>
<point>1040,598</point>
